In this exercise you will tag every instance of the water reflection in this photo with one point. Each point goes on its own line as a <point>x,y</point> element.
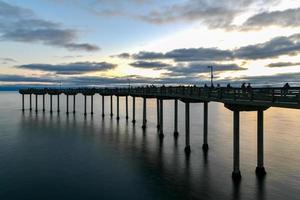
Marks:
<point>105,155</point>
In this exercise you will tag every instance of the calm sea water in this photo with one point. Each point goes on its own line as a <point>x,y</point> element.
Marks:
<point>72,157</point>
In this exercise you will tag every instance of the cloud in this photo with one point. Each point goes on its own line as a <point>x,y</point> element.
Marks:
<point>186,55</point>
<point>7,60</point>
<point>278,46</point>
<point>71,68</point>
<point>199,54</point>
<point>284,64</point>
<point>150,65</point>
<point>273,48</point>
<point>285,18</point>
<point>21,78</point>
<point>269,80</point>
<point>122,56</point>
<point>21,25</point>
<point>199,68</point>
<point>146,55</point>
<point>214,15</point>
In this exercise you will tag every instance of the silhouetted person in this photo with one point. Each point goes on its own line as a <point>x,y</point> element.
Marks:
<point>249,86</point>
<point>228,86</point>
<point>243,86</point>
<point>286,88</point>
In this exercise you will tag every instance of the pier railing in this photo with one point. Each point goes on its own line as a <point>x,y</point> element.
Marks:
<point>273,96</point>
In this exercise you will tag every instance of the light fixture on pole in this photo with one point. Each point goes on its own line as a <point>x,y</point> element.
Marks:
<point>211,75</point>
<point>128,83</point>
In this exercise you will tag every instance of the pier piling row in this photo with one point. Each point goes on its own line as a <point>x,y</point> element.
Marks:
<point>235,99</point>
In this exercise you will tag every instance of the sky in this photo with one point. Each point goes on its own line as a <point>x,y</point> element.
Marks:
<point>117,42</point>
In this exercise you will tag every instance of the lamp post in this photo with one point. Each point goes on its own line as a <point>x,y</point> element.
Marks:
<point>128,83</point>
<point>211,75</point>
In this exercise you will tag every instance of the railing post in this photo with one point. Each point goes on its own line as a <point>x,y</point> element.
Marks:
<point>299,96</point>
<point>234,94</point>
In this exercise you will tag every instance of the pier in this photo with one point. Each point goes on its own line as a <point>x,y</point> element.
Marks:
<point>237,100</point>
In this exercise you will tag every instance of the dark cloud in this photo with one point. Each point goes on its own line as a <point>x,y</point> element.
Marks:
<point>7,60</point>
<point>278,46</point>
<point>146,55</point>
<point>71,68</point>
<point>285,18</point>
<point>187,55</point>
<point>199,54</point>
<point>21,78</point>
<point>214,15</point>
<point>284,64</point>
<point>122,56</point>
<point>21,25</point>
<point>274,48</point>
<point>150,65</point>
<point>199,68</point>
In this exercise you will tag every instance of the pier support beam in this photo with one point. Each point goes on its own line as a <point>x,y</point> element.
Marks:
<point>126,102</point>
<point>133,109</point>
<point>43,102</point>
<point>23,107</point>
<point>92,104</point>
<point>111,106</point>
<point>260,169</point>
<point>58,110</point>
<point>236,174</point>
<point>67,99</point>
<point>187,148</point>
<point>36,103</point>
<point>205,126</point>
<point>30,102</point>
<point>144,112</point>
<point>84,105</point>
<point>118,107</point>
<point>51,106</point>
<point>161,118</point>
<point>157,113</point>
<point>74,103</point>
<point>103,106</point>
<point>175,118</point>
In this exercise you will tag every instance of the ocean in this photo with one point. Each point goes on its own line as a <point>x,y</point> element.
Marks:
<point>44,156</point>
